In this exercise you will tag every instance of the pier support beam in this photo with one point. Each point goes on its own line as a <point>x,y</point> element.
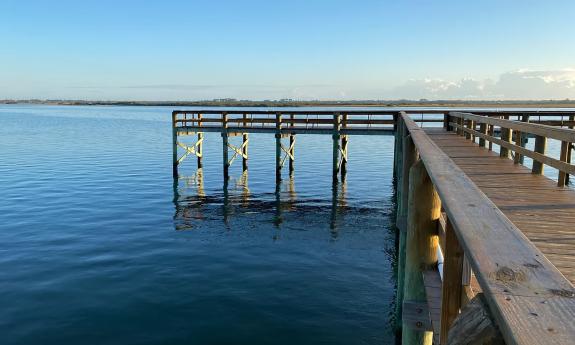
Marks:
<point>343,158</point>
<point>244,147</point>
<point>225,144</point>
<point>174,146</point>
<point>424,209</point>
<point>409,158</point>
<point>291,154</point>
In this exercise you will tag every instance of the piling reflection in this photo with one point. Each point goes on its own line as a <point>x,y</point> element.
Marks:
<point>193,204</point>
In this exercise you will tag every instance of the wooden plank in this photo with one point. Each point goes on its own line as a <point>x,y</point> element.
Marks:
<point>506,264</point>
<point>432,283</point>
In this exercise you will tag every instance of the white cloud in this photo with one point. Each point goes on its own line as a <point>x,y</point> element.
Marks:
<point>520,84</point>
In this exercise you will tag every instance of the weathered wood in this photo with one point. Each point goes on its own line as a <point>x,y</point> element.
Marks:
<point>452,280</point>
<point>432,283</point>
<point>563,158</point>
<point>424,209</point>
<point>475,326</point>
<point>556,132</point>
<point>514,275</point>
<point>174,146</point>
<point>555,163</point>
<point>245,143</point>
<point>225,145</point>
<point>483,130</point>
<point>540,147</point>
<point>335,145</point>
<point>200,145</point>
<point>278,137</point>
<point>506,135</point>
<point>409,158</point>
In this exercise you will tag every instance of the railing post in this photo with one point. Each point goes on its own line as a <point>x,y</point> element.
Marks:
<point>540,147</point>
<point>446,120</point>
<point>483,130</point>
<point>409,158</point>
<point>452,281</point>
<point>563,157</point>
<point>506,135</point>
<point>472,127</point>
<point>424,208</point>
<point>467,123</point>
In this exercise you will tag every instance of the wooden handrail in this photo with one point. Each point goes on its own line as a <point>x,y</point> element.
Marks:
<point>531,301</point>
<point>551,132</point>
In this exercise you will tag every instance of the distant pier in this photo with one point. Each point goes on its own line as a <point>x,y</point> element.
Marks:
<point>486,244</point>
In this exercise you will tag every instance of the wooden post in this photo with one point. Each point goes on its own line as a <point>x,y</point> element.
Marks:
<point>245,143</point>
<point>524,139</point>
<point>467,123</point>
<point>563,157</point>
<point>174,146</point>
<point>225,144</point>
<point>540,147</point>
<point>452,287</point>
<point>446,120</point>
<point>278,147</point>
<point>518,141</point>
<point>335,140</point>
<point>292,152</point>
<point>200,146</point>
<point>409,158</point>
<point>490,131</point>
<point>397,152</point>
<point>483,130</point>
<point>343,169</point>
<point>569,148</point>
<point>424,208</point>
<point>506,135</point>
<point>472,127</point>
<point>291,147</point>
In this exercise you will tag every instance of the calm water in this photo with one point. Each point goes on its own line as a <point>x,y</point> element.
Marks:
<point>98,246</point>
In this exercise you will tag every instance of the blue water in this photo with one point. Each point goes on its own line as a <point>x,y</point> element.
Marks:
<point>98,245</point>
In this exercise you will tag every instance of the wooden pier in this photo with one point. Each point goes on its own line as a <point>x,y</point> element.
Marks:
<point>486,244</point>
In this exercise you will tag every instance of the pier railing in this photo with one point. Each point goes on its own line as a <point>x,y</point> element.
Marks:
<point>526,296</point>
<point>513,140</point>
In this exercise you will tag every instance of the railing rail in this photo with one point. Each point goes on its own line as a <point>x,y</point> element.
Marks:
<point>530,300</point>
<point>466,123</point>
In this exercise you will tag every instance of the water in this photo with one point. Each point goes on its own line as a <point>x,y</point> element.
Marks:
<point>99,247</point>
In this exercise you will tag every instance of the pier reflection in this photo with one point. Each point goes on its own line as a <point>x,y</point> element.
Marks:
<point>194,205</point>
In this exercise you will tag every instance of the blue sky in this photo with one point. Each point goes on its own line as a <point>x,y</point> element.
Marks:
<point>188,50</point>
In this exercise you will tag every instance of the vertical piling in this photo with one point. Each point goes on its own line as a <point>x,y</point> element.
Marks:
<point>409,158</point>
<point>563,157</point>
<point>278,147</point>
<point>225,145</point>
<point>540,147</point>
<point>335,139</point>
<point>483,130</point>
<point>200,146</point>
<point>424,208</point>
<point>291,147</point>
<point>174,146</point>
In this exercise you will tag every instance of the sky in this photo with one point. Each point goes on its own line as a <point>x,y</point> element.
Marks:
<point>304,50</point>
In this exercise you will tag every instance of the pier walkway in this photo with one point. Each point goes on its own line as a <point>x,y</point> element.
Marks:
<point>544,212</point>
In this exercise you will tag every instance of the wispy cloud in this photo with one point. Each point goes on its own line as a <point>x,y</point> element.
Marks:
<point>520,84</point>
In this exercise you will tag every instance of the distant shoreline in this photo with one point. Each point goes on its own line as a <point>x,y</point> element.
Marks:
<point>291,103</point>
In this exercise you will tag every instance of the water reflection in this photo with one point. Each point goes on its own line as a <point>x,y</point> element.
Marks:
<point>193,204</point>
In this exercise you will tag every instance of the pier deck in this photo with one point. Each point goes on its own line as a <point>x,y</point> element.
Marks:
<point>544,212</point>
